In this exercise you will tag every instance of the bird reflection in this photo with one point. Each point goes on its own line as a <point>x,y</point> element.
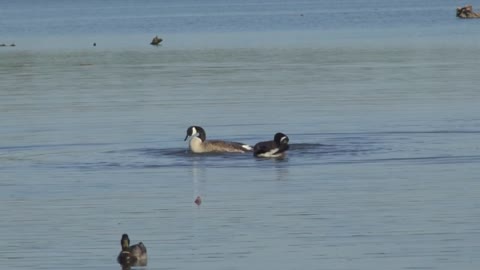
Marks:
<point>281,172</point>
<point>199,182</point>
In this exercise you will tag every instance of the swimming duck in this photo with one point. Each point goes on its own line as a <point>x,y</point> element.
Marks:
<point>156,41</point>
<point>135,255</point>
<point>199,144</point>
<point>275,148</point>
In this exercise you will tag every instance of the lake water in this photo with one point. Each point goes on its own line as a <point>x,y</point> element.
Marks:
<point>380,101</point>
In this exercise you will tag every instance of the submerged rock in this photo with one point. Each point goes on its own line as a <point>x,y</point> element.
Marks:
<point>198,201</point>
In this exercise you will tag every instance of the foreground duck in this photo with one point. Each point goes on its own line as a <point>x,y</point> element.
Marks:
<point>199,144</point>
<point>276,148</point>
<point>135,255</point>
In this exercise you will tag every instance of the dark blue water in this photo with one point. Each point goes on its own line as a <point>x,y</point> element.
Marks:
<point>379,100</point>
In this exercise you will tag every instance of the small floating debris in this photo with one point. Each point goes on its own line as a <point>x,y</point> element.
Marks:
<point>94,44</point>
<point>3,45</point>
<point>466,12</point>
<point>156,40</point>
<point>12,45</point>
<point>198,201</point>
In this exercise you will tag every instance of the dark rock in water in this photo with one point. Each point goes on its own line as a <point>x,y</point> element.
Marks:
<point>198,201</point>
<point>3,45</point>
<point>12,45</point>
<point>156,40</point>
<point>466,12</point>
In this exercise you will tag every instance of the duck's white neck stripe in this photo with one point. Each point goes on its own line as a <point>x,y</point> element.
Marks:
<point>194,131</point>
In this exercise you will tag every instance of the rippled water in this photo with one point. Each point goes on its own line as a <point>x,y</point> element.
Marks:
<point>382,172</point>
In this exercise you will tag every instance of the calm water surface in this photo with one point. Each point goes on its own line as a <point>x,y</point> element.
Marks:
<point>384,126</point>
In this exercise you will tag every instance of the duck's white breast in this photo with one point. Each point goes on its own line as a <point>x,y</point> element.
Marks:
<point>196,145</point>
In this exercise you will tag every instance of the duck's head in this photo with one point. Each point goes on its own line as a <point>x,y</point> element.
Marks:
<point>196,131</point>
<point>280,139</point>
<point>125,242</point>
